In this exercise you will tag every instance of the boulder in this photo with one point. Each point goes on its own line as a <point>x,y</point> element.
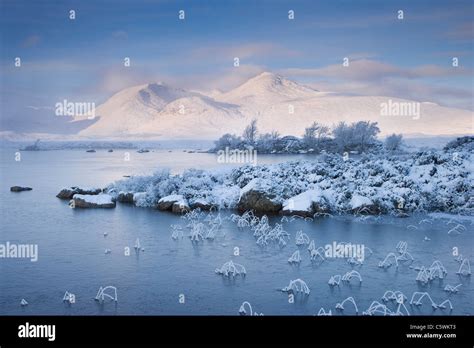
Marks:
<point>92,201</point>
<point>180,207</point>
<point>166,203</point>
<point>20,188</point>
<point>68,193</point>
<point>363,205</point>
<point>125,197</point>
<point>200,203</point>
<point>306,204</point>
<point>257,198</point>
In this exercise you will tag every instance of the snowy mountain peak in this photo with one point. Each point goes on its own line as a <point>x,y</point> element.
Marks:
<point>268,88</point>
<point>159,93</point>
<point>157,109</point>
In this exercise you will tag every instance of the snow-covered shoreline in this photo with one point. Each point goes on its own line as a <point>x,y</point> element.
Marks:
<point>435,181</point>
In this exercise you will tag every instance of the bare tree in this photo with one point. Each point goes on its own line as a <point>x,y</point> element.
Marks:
<point>321,133</point>
<point>359,134</point>
<point>250,132</point>
<point>393,142</point>
<point>314,134</point>
<point>309,136</point>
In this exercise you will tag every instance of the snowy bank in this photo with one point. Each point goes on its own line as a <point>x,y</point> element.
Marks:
<point>435,181</point>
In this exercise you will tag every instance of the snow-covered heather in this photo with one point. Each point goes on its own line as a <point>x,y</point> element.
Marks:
<point>435,181</point>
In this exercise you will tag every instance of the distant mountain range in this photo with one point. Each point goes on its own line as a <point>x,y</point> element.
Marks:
<point>161,111</point>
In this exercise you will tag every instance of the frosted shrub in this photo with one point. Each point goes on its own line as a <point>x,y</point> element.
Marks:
<point>323,313</point>
<point>295,257</point>
<point>452,289</point>
<point>176,232</point>
<point>334,280</point>
<point>390,295</point>
<point>317,254</point>
<point>350,275</point>
<point>350,299</point>
<point>246,309</point>
<point>231,269</point>
<point>417,297</point>
<point>464,268</point>
<point>297,286</point>
<point>197,232</point>
<point>108,292</point>
<point>377,308</point>
<point>302,238</point>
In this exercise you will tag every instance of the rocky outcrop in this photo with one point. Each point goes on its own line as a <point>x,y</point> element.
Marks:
<point>180,207</point>
<point>255,197</point>
<point>20,188</point>
<point>306,204</point>
<point>200,203</point>
<point>68,193</point>
<point>363,205</point>
<point>125,197</point>
<point>176,203</point>
<point>92,201</point>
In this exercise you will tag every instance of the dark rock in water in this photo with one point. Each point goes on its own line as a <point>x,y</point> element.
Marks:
<point>34,147</point>
<point>176,203</point>
<point>110,150</point>
<point>166,203</point>
<point>201,204</point>
<point>180,207</point>
<point>125,197</point>
<point>68,193</point>
<point>20,188</point>
<point>306,204</point>
<point>92,201</point>
<point>143,151</point>
<point>259,202</point>
<point>371,209</point>
<point>90,151</point>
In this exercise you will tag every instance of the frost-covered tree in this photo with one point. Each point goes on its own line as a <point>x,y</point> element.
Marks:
<point>309,136</point>
<point>250,132</point>
<point>365,133</point>
<point>356,135</point>
<point>343,136</point>
<point>321,133</point>
<point>393,142</point>
<point>314,134</point>
<point>267,142</point>
<point>228,140</point>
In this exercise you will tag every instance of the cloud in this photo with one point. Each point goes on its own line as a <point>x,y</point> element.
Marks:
<point>228,52</point>
<point>370,70</point>
<point>369,77</point>
<point>464,31</point>
<point>37,108</point>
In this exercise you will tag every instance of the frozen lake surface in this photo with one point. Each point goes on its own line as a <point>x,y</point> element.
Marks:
<point>71,246</point>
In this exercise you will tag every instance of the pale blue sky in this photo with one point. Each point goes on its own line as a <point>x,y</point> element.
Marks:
<point>82,59</point>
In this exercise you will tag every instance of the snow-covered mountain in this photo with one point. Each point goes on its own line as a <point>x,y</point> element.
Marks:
<point>161,111</point>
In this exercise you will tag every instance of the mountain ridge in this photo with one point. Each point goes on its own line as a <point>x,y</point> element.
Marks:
<point>167,112</point>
